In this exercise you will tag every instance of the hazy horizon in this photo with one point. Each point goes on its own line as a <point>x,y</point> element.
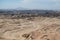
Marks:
<point>30,4</point>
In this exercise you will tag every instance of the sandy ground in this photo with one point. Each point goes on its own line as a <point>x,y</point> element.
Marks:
<point>38,28</point>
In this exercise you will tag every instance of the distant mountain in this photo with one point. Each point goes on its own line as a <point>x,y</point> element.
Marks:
<point>21,8</point>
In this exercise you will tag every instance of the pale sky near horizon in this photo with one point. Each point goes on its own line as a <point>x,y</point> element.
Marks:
<point>30,4</point>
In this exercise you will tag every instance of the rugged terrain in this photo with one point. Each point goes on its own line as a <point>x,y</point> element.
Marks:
<point>35,28</point>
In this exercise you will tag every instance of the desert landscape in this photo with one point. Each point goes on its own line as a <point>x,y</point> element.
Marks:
<point>29,19</point>
<point>29,27</point>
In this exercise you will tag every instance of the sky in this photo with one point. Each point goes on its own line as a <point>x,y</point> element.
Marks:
<point>30,4</point>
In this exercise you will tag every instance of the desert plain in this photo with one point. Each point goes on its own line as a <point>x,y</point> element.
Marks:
<point>35,28</point>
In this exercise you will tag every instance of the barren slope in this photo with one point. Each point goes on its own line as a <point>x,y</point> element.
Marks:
<point>38,28</point>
